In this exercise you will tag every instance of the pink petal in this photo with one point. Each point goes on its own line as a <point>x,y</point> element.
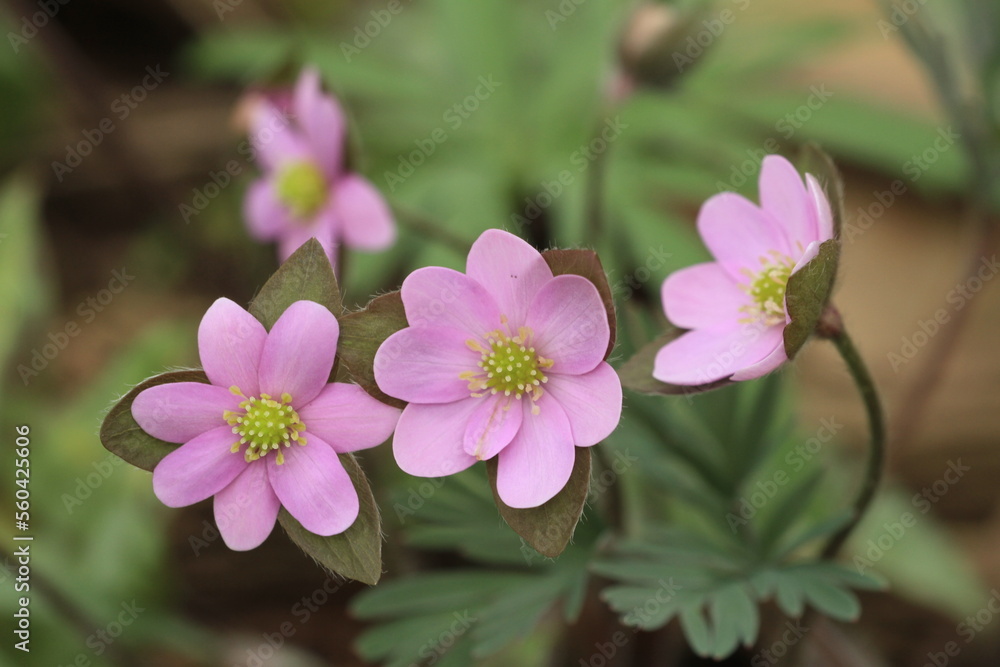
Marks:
<point>274,137</point>
<point>322,228</point>
<point>198,470</point>
<point>428,440</point>
<point>246,510</point>
<point>365,217</point>
<point>821,206</point>
<point>423,364</point>
<point>536,465</point>
<point>783,195</point>
<point>322,119</point>
<point>702,295</point>
<point>347,418</point>
<point>314,487</point>
<point>705,355</point>
<point>510,269</point>
<point>230,342</point>
<point>766,365</point>
<point>181,411</point>
<point>739,234</point>
<point>492,426</point>
<point>810,253</point>
<point>266,217</point>
<point>592,402</point>
<point>570,324</point>
<point>445,297</point>
<point>298,355</point>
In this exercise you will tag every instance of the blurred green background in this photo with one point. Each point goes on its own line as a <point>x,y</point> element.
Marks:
<point>80,202</point>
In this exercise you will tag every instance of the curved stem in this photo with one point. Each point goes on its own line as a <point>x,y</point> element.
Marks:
<point>832,328</point>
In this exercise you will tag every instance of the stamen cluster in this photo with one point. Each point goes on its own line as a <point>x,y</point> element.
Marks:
<point>264,425</point>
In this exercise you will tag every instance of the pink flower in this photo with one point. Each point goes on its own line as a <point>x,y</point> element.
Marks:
<point>305,192</point>
<point>267,430</point>
<point>504,360</point>
<point>735,306</point>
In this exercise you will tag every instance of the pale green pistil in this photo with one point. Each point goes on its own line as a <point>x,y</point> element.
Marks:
<point>302,187</point>
<point>264,425</point>
<point>767,289</point>
<point>509,364</point>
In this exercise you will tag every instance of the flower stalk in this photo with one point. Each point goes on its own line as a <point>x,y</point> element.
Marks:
<point>831,327</point>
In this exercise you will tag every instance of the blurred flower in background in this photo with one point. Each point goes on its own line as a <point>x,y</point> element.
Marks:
<point>306,191</point>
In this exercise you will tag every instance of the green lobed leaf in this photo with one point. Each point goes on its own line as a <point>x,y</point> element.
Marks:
<point>587,264</point>
<point>355,553</point>
<point>305,276</point>
<point>807,294</point>
<point>637,373</point>
<point>361,335</point>
<point>549,527</point>
<point>121,434</point>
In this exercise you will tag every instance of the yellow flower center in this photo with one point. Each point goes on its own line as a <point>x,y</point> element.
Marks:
<point>302,187</point>
<point>264,425</point>
<point>507,364</point>
<point>767,289</point>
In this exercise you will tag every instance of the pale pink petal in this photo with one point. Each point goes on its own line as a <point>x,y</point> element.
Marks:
<point>230,342</point>
<point>810,253</point>
<point>347,418</point>
<point>267,218</point>
<point>592,402</point>
<point>536,465</point>
<point>322,119</point>
<point>274,137</point>
<point>739,234</point>
<point>766,365</point>
<point>510,269</point>
<point>706,355</point>
<point>245,511</point>
<point>444,297</point>
<point>570,324</point>
<point>298,355</point>
<point>492,426</point>
<point>198,469</point>
<point>423,364</point>
<point>181,411</point>
<point>428,440</point>
<point>783,195</point>
<point>314,487</point>
<point>702,295</point>
<point>821,207</point>
<point>365,217</point>
<point>322,228</point>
